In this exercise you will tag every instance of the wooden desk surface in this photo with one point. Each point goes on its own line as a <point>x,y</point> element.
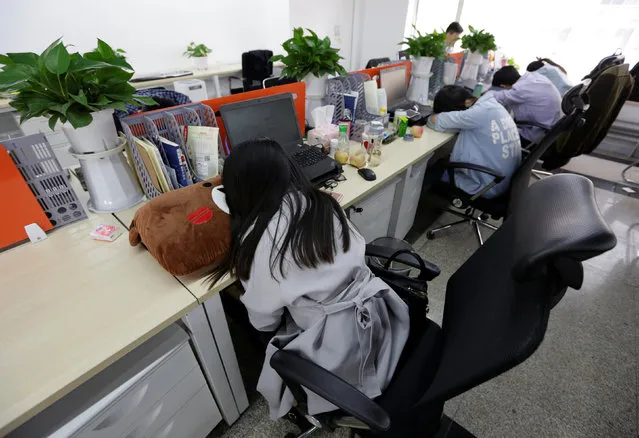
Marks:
<point>396,157</point>
<point>69,307</point>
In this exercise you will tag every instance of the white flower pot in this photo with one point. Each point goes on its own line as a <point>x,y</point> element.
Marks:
<point>110,180</point>
<point>450,73</point>
<point>475,58</point>
<point>99,136</point>
<point>483,66</point>
<point>315,86</point>
<point>201,62</point>
<point>420,80</point>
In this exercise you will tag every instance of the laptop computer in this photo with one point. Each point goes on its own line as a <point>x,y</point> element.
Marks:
<point>274,117</point>
<point>393,80</point>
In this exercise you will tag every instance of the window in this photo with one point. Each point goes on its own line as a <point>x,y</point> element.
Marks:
<point>573,33</point>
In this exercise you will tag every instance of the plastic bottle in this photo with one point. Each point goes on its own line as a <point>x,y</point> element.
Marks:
<point>376,136</point>
<point>334,143</point>
<point>343,145</point>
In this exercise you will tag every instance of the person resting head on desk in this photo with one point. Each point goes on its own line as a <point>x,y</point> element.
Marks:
<point>303,269</point>
<point>554,72</point>
<point>487,136</point>
<point>532,98</point>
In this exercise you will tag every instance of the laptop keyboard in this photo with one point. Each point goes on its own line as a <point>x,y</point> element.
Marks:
<point>308,157</point>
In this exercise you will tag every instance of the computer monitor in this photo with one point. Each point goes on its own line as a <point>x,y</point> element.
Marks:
<point>394,81</point>
<point>273,117</point>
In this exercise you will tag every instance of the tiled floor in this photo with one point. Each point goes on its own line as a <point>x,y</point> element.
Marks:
<point>582,382</point>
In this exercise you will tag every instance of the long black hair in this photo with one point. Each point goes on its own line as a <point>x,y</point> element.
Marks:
<point>260,179</point>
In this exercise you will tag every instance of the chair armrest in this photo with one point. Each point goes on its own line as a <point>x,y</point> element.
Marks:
<point>383,252</point>
<point>294,369</point>
<point>535,124</point>
<point>498,176</point>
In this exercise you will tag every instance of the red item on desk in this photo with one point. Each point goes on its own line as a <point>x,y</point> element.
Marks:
<point>19,206</point>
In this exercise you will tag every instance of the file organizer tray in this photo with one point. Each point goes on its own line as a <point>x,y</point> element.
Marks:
<point>164,123</point>
<point>40,168</point>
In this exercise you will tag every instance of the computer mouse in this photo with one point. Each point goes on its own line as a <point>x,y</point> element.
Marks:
<point>367,174</point>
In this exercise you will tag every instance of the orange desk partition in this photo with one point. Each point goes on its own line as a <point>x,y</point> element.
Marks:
<point>297,89</point>
<point>19,206</point>
<point>374,71</point>
<point>458,58</point>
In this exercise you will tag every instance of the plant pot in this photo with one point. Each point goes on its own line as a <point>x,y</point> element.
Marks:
<point>420,78</point>
<point>483,66</point>
<point>110,180</point>
<point>201,62</point>
<point>315,86</point>
<point>475,58</point>
<point>99,136</point>
<point>450,73</point>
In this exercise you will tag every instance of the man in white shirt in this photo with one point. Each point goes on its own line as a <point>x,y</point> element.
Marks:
<point>453,31</point>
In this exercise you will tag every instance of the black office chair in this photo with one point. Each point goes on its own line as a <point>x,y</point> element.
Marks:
<point>403,54</point>
<point>376,62</point>
<point>495,317</point>
<point>275,82</point>
<point>476,209</point>
<point>256,66</point>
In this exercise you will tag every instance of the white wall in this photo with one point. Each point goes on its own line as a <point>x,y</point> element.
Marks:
<point>153,32</point>
<point>331,18</point>
<point>378,28</point>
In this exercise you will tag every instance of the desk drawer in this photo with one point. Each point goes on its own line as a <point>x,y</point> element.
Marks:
<point>126,409</point>
<point>375,217</point>
<point>196,419</point>
<point>167,406</point>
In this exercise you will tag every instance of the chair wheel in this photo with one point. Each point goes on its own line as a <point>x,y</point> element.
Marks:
<point>484,217</point>
<point>430,235</point>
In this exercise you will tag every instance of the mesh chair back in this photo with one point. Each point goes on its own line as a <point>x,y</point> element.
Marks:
<point>494,320</point>
<point>607,94</point>
<point>376,61</point>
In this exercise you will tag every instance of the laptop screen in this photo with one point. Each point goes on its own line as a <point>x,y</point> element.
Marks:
<point>273,117</point>
<point>394,81</point>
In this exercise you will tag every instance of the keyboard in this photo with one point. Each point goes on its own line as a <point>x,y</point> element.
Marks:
<point>308,156</point>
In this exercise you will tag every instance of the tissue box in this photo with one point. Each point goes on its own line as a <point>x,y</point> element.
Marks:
<point>322,135</point>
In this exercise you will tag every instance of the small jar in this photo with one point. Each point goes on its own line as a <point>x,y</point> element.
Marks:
<point>375,138</point>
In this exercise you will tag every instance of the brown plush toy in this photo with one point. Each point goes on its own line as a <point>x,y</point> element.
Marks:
<point>183,229</point>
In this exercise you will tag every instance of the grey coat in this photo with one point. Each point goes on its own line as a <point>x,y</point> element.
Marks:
<point>338,315</point>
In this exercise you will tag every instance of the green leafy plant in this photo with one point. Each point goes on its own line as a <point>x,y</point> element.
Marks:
<point>478,41</point>
<point>197,51</point>
<point>67,86</point>
<point>309,54</point>
<point>511,61</point>
<point>431,44</point>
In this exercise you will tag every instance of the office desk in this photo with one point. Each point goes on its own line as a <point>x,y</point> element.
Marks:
<point>214,71</point>
<point>397,157</point>
<point>71,306</point>
<point>4,105</point>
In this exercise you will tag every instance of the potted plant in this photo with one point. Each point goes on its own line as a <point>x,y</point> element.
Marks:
<point>310,59</point>
<point>478,43</point>
<point>200,55</point>
<point>424,49</point>
<point>78,90</point>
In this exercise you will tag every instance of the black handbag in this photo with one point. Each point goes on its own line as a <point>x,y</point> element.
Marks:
<point>413,290</point>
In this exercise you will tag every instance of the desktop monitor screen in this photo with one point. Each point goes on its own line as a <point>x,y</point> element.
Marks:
<point>394,81</point>
<point>273,117</point>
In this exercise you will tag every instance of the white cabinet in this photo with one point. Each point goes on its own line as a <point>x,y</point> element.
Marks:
<point>407,199</point>
<point>134,397</point>
<point>372,216</point>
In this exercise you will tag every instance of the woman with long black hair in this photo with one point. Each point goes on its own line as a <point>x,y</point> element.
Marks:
<point>303,269</point>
